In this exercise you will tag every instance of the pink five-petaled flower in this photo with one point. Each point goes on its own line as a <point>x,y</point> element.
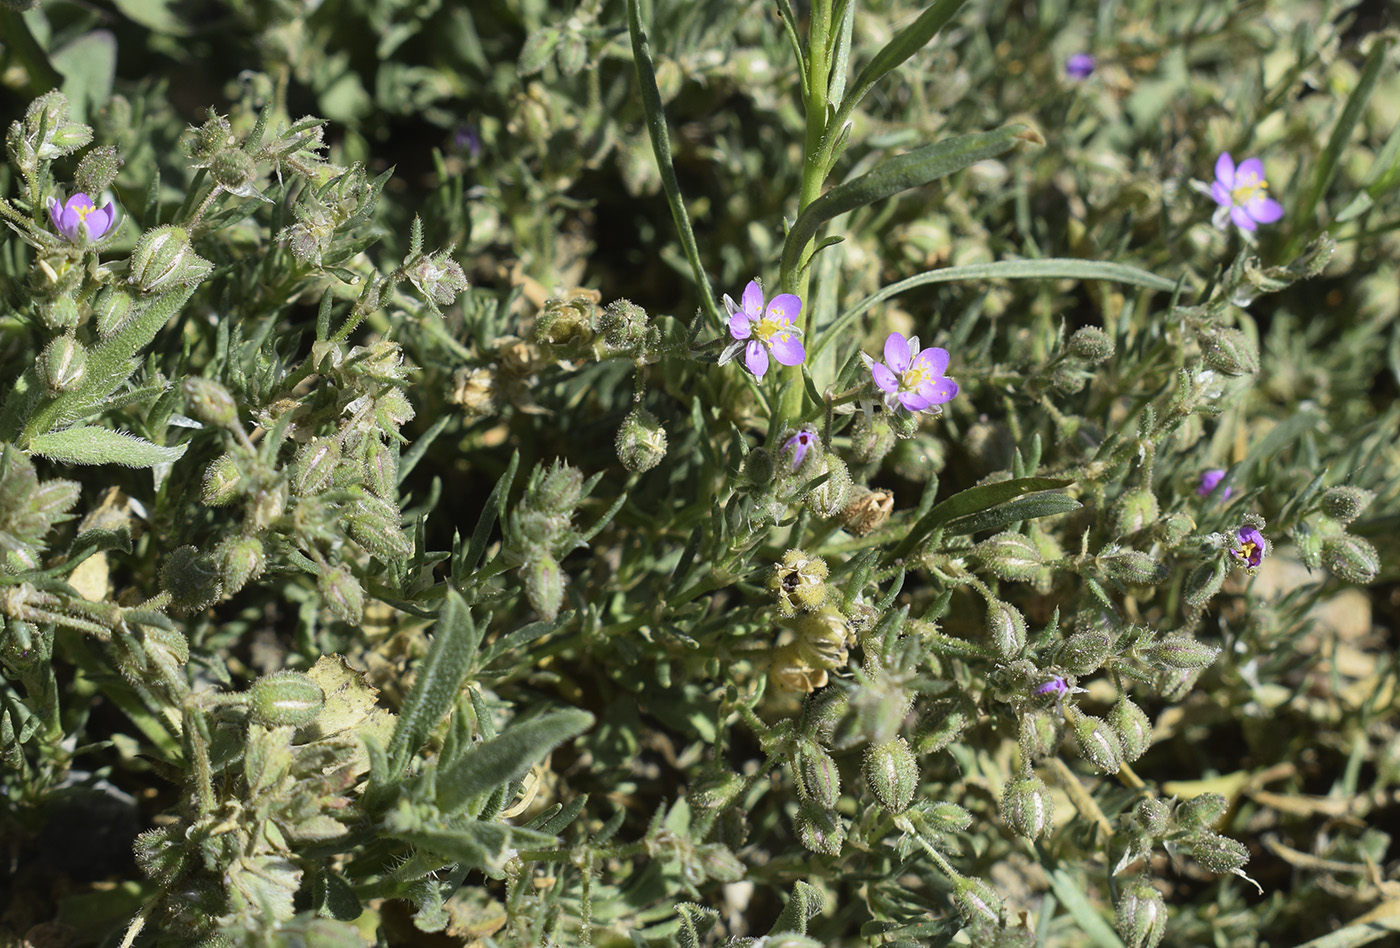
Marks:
<point>799,444</point>
<point>1241,194</point>
<point>910,377</point>
<point>758,331</point>
<point>79,212</point>
<point>1210,480</point>
<point>1251,550</point>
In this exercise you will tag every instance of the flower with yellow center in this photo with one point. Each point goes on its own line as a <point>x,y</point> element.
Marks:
<point>1242,194</point>
<point>79,215</point>
<point>911,378</point>
<point>758,331</point>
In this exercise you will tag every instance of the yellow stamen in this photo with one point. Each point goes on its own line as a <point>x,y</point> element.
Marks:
<point>767,327</point>
<point>1247,188</point>
<point>914,376</point>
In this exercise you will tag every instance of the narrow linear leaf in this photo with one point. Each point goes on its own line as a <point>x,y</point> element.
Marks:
<point>661,146</point>
<point>1094,926</point>
<point>498,761</point>
<point>93,445</point>
<point>439,681</point>
<point>905,43</point>
<point>975,500</point>
<point>1032,507</point>
<point>1049,268</point>
<point>1326,168</point>
<point>909,170</point>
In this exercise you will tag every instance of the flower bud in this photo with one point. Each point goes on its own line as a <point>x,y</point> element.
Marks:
<point>819,779</point>
<point>821,713</point>
<point>168,647</point>
<point>1085,652</point>
<point>285,699</point>
<point>1006,628</point>
<point>1010,556</point>
<point>242,560</point>
<point>1204,582</point>
<point>97,170</point>
<point>1091,345</point>
<point>1136,510</point>
<point>544,586</point>
<point>1217,853</point>
<point>831,496</point>
<point>1141,915</point>
<point>314,466</point>
<point>641,441</point>
<point>1201,811</point>
<point>1027,808</point>
<point>382,470</point>
<point>61,313</point>
<point>1097,743</point>
<point>1177,650</point>
<point>164,258</point>
<point>1130,566</point>
<point>892,773</point>
<point>942,724</point>
<point>232,169</point>
<point>54,498</point>
<point>1228,350</point>
<point>714,791</point>
<point>820,830</point>
<point>624,325</point>
<point>212,137</point>
<point>62,364</point>
<point>110,311</point>
<point>191,578</point>
<point>1132,726</point>
<point>558,490</point>
<point>373,522</point>
<point>867,511</point>
<point>1351,558</point>
<point>1152,815</point>
<point>1345,503</point>
<point>210,402</point>
<point>221,481</point>
<point>1172,528</point>
<point>871,437</point>
<point>341,593</point>
<point>1039,735</point>
<point>976,902</point>
<point>822,638</point>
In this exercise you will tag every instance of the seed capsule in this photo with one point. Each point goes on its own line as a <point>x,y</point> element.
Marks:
<point>285,699</point>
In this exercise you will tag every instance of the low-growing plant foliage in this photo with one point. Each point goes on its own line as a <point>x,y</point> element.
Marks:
<point>670,474</point>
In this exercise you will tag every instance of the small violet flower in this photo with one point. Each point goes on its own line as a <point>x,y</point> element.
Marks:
<point>912,378</point>
<point>1251,549</point>
<point>758,331</point>
<point>1210,480</point>
<point>799,444</point>
<point>1080,66</point>
<point>1240,192</point>
<point>79,212</point>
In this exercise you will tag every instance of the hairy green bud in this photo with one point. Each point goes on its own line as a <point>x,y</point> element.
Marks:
<point>1026,807</point>
<point>341,593</point>
<point>1130,566</point>
<point>819,779</point>
<point>285,699</point>
<point>558,490</point>
<point>1228,350</point>
<point>831,496</point>
<point>314,466</point>
<point>822,712</point>
<point>210,402</point>
<point>242,559</point>
<point>163,258</point>
<point>1140,915</point>
<point>1098,744</point>
<point>232,169</point>
<point>544,586</point>
<point>641,441</point>
<point>382,470</point>
<point>1345,503</point>
<point>820,830</point>
<point>1177,650</point>
<point>191,578</point>
<point>1217,853</point>
<point>110,310</point>
<point>624,325</point>
<point>715,790</point>
<point>892,773</point>
<point>1205,581</point>
<point>1351,558</point>
<point>1152,815</point>
<point>221,481</point>
<point>977,903</point>
<point>1172,528</point>
<point>1091,345</point>
<point>62,364</point>
<point>97,170</point>
<point>1039,735</point>
<point>1006,628</point>
<point>1132,726</point>
<point>1085,652</point>
<point>1137,509</point>
<point>1201,811</point>
<point>872,437</point>
<point>61,313</point>
<point>1010,556</point>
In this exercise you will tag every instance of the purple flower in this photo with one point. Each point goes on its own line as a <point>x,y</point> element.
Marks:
<point>1210,480</point>
<point>1240,192</point>
<point>799,444</point>
<point>910,377</point>
<point>1056,686</point>
<point>1080,66</point>
<point>79,212</point>
<point>759,331</point>
<point>1251,549</point>
<point>465,138</point>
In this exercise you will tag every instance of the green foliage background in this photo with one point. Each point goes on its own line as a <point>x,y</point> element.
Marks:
<point>329,647</point>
